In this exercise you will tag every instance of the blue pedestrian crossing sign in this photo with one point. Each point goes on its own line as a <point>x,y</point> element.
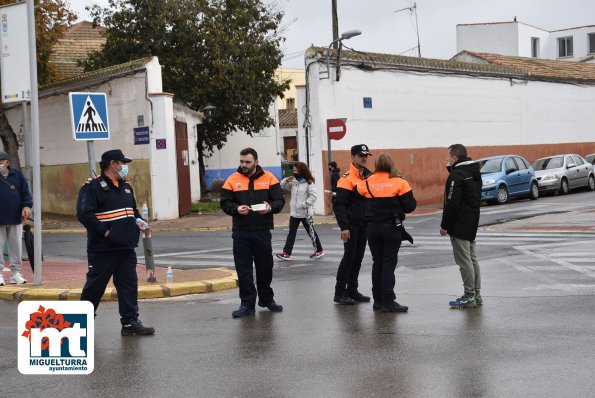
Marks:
<point>88,112</point>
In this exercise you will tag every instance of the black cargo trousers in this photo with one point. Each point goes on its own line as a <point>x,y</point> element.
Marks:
<point>254,247</point>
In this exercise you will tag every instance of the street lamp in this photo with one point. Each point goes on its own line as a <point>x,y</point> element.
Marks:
<point>208,111</point>
<point>344,36</point>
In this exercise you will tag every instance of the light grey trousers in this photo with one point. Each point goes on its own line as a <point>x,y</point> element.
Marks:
<point>466,258</point>
<point>13,235</point>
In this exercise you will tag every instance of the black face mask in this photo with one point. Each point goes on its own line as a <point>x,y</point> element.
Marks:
<point>297,176</point>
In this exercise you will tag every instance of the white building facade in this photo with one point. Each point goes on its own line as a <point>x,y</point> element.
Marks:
<point>415,108</point>
<point>136,102</point>
<point>522,40</point>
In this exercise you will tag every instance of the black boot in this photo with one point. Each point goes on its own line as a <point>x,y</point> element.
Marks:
<point>134,327</point>
<point>357,296</point>
<point>272,306</point>
<point>393,306</point>
<point>243,311</point>
<point>343,298</point>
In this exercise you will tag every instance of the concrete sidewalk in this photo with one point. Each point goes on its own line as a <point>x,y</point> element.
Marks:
<point>582,221</point>
<point>64,280</point>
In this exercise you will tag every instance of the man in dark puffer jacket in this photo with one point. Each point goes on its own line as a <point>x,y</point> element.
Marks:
<point>460,219</point>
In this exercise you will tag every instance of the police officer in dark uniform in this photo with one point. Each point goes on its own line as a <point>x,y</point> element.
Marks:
<point>349,210</point>
<point>107,208</point>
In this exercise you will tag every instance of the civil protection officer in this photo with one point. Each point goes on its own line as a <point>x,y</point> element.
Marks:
<point>251,185</point>
<point>107,208</point>
<point>349,210</point>
<point>388,198</point>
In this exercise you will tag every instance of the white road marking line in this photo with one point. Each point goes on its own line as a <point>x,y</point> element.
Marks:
<point>574,267</point>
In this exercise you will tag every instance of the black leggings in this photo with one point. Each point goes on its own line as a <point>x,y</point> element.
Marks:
<point>308,224</point>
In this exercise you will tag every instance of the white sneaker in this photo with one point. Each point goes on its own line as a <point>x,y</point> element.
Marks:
<point>5,269</point>
<point>1,280</point>
<point>17,278</point>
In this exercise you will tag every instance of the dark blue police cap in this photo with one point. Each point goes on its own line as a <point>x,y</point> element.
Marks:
<point>115,154</point>
<point>361,150</point>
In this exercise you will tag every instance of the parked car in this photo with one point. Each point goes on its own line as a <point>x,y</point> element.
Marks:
<point>591,159</point>
<point>505,177</point>
<point>561,173</point>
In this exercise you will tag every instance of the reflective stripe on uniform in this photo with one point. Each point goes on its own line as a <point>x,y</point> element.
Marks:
<point>115,214</point>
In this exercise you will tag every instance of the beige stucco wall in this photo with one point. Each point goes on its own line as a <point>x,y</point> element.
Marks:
<point>60,185</point>
<point>297,77</point>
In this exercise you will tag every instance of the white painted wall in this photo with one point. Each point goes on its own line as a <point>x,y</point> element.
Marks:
<point>164,172</point>
<point>514,38</point>
<point>497,38</point>
<point>127,97</point>
<point>266,143</point>
<point>414,110</point>
<point>126,100</point>
<point>580,42</point>
<point>526,33</point>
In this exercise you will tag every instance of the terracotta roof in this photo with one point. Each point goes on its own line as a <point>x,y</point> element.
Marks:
<point>84,30</point>
<point>546,69</point>
<point>487,65</point>
<point>288,118</point>
<point>95,77</point>
<point>78,42</point>
<point>371,61</point>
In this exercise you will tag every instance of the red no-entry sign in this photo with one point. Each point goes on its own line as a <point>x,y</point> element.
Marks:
<point>336,128</point>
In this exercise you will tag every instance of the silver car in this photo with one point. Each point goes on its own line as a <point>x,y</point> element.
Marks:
<point>561,173</point>
<point>591,159</point>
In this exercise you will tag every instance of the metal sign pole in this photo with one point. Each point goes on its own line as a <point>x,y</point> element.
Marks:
<point>91,154</point>
<point>35,141</point>
<point>26,137</point>
<point>330,159</point>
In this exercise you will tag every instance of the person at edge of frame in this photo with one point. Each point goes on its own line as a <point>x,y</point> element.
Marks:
<point>107,209</point>
<point>15,205</point>
<point>349,211</point>
<point>248,189</point>
<point>388,198</point>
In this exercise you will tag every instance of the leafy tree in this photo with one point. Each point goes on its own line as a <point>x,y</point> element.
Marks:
<point>222,53</point>
<point>52,19</point>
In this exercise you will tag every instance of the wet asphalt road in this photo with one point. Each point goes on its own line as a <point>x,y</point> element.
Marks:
<point>521,343</point>
<point>534,337</point>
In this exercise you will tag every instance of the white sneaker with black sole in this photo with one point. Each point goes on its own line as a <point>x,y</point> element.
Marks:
<point>1,280</point>
<point>18,279</point>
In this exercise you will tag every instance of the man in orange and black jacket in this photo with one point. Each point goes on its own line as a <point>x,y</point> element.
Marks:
<point>349,210</point>
<point>388,198</point>
<point>249,186</point>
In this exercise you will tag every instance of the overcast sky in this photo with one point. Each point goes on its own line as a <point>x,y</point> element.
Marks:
<point>309,22</point>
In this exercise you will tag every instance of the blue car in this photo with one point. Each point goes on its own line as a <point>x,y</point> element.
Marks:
<point>505,177</point>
